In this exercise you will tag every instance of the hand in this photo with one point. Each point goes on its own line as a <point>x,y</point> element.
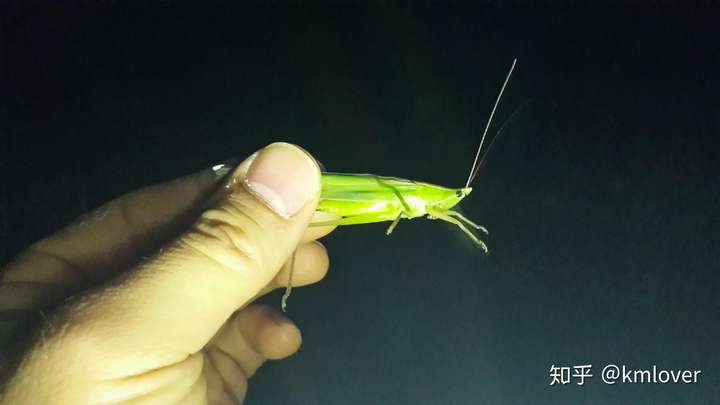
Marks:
<point>155,322</point>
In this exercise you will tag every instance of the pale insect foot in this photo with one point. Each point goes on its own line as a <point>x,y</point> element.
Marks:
<point>467,221</point>
<point>448,217</point>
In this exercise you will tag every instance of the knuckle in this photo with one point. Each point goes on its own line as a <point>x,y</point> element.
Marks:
<point>224,251</point>
<point>230,235</point>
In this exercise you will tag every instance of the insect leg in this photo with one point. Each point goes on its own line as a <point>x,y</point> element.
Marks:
<point>395,191</point>
<point>393,225</point>
<point>447,218</point>
<point>288,289</point>
<point>467,221</point>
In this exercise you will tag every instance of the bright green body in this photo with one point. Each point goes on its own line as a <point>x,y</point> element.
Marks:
<point>364,198</point>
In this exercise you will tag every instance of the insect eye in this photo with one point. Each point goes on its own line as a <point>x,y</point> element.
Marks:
<point>458,193</point>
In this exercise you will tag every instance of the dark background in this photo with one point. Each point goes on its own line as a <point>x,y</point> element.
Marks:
<point>601,195</point>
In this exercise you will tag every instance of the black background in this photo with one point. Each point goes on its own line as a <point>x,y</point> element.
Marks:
<point>601,195</point>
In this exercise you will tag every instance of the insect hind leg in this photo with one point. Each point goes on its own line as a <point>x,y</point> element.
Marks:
<point>288,288</point>
<point>444,215</point>
<point>393,225</point>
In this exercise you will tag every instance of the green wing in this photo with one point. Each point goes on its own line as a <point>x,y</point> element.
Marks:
<point>364,187</point>
<point>376,197</point>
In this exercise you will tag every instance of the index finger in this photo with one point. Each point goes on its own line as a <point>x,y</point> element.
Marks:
<point>123,231</point>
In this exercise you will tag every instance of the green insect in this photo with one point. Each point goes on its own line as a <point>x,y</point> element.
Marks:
<point>367,198</point>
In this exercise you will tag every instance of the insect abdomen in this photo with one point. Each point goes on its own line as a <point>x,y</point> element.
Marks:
<point>345,208</point>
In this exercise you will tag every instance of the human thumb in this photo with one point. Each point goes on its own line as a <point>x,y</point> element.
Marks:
<point>171,305</point>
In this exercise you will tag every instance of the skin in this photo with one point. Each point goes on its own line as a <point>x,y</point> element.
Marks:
<point>149,298</point>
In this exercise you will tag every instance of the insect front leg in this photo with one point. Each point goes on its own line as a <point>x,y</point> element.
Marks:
<point>447,218</point>
<point>400,198</point>
<point>467,221</point>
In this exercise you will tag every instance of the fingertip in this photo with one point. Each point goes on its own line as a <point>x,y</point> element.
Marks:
<point>322,265</point>
<point>271,334</point>
<point>311,265</point>
<point>281,340</point>
<point>284,177</point>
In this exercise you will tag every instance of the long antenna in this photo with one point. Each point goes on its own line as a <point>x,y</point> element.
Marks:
<point>487,126</point>
<point>497,135</point>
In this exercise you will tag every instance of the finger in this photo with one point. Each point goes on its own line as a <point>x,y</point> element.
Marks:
<point>175,302</point>
<point>227,383</point>
<point>27,296</point>
<point>116,234</point>
<point>311,265</point>
<point>166,385</point>
<point>255,334</point>
<point>161,386</point>
<point>54,268</point>
<point>317,232</point>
